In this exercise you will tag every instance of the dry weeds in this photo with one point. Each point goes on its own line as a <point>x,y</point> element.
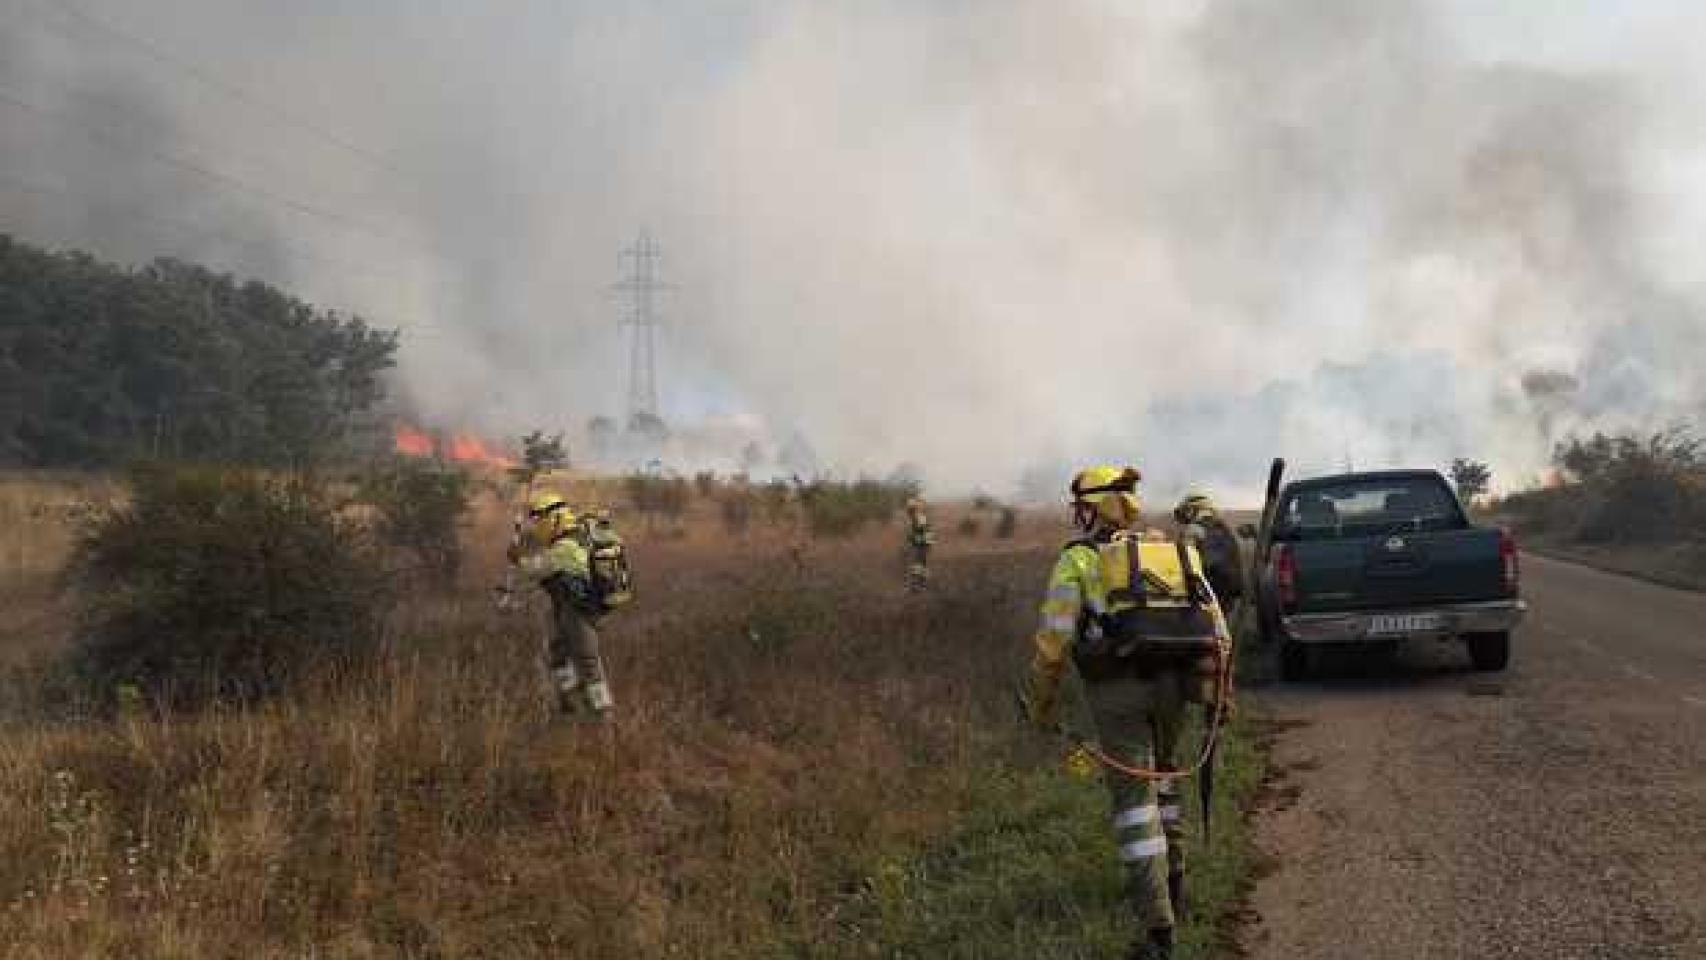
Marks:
<point>789,718</point>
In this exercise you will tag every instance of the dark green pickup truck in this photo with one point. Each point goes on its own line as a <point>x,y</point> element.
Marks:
<point>1370,559</point>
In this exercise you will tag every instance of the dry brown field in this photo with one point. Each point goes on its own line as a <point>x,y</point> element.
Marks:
<point>808,762</point>
<point>787,715</point>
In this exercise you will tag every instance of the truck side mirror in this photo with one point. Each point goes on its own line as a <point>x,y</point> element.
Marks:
<point>1247,531</point>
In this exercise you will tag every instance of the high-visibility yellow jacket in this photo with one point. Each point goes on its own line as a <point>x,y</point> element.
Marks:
<point>1084,577</point>
<point>565,555</point>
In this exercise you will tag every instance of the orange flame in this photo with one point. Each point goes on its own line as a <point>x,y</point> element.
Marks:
<point>411,442</point>
<point>461,448</point>
<point>465,448</point>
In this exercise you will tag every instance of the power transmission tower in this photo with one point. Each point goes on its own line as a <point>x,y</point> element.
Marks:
<point>639,287</point>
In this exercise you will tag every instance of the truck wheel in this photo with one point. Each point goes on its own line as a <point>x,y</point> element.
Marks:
<point>1294,661</point>
<point>1490,651</point>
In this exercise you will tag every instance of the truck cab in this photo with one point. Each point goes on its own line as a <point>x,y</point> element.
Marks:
<point>1372,559</point>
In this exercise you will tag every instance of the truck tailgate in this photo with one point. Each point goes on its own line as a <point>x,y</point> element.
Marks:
<point>1398,570</point>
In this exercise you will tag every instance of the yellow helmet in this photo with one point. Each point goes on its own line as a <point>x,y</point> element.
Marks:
<point>1107,494</point>
<point>1195,508</point>
<point>548,517</point>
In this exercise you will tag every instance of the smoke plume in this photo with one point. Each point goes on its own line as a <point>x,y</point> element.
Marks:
<point>992,238</point>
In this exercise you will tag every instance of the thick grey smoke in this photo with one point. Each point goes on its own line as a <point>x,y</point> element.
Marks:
<point>992,238</point>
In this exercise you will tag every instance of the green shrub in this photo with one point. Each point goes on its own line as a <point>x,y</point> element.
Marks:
<point>643,492</point>
<point>1548,511</point>
<point>776,496</point>
<point>736,507</point>
<point>654,495</point>
<point>1620,489</point>
<point>705,483</point>
<point>420,507</point>
<point>1649,491</point>
<point>541,453</point>
<point>840,509</point>
<point>219,583</point>
<point>676,494</point>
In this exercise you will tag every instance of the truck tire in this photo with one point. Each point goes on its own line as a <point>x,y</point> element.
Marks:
<point>1294,661</point>
<point>1489,651</point>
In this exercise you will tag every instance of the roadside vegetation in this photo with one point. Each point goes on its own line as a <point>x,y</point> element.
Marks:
<point>1636,504</point>
<point>810,762</point>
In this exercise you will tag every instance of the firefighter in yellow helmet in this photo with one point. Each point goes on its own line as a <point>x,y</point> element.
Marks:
<point>552,550</point>
<point>1141,628</point>
<point>919,539</point>
<point>1200,524</point>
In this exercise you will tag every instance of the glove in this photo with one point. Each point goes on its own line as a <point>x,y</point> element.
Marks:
<point>1081,764</point>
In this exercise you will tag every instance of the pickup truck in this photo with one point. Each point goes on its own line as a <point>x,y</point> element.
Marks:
<point>1371,559</point>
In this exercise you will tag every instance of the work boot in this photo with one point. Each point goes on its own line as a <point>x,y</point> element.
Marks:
<point>599,699</point>
<point>1176,893</point>
<point>1157,946</point>
<point>568,686</point>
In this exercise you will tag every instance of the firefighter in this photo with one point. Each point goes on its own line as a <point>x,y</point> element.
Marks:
<point>1103,586</point>
<point>1200,523</point>
<point>919,539</point>
<point>552,550</point>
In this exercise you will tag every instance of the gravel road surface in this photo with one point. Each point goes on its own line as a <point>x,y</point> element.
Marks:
<point>1556,810</point>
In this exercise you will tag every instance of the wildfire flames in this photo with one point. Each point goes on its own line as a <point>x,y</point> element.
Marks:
<point>461,447</point>
<point>413,443</point>
<point>470,449</point>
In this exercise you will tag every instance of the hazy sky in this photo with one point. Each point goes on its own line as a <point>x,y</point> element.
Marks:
<point>989,236</point>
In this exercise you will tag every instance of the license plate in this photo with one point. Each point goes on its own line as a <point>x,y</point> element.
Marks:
<point>1404,623</point>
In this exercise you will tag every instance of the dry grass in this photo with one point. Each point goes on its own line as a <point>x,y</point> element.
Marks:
<point>789,719</point>
<point>38,522</point>
<point>810,763</point>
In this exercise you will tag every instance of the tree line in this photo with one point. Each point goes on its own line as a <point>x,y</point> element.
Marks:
<point>1620,489</point>
<point>102,364</point>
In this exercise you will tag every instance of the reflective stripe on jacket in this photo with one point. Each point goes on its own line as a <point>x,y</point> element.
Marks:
<point>1074,585</point>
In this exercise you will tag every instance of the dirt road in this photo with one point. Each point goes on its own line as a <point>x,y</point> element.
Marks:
<point>1556,812</point>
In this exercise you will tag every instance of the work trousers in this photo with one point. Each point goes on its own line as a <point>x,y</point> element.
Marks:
<point>917,564</point>
<point>1139,723</point>
<point>572,648</point>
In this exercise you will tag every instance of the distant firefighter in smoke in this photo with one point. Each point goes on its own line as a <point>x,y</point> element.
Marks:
<point>582,565</point>
<point>919,538</point>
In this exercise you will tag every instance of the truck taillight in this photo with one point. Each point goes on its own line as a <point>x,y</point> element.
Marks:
<point>1508,561</point>
<point>1285,576</point>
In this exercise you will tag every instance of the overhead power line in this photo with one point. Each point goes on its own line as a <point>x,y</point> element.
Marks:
<point>229,181</point>
<point>253,165</point>
<point>414,330</point>
<point>184,224</point>
<point>71,12</point>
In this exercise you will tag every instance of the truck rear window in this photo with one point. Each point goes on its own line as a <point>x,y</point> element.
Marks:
<point>1368,506</point>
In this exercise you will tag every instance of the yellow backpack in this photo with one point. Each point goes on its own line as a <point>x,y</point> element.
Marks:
<point>1161,613</point>
<point>607,562</point>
